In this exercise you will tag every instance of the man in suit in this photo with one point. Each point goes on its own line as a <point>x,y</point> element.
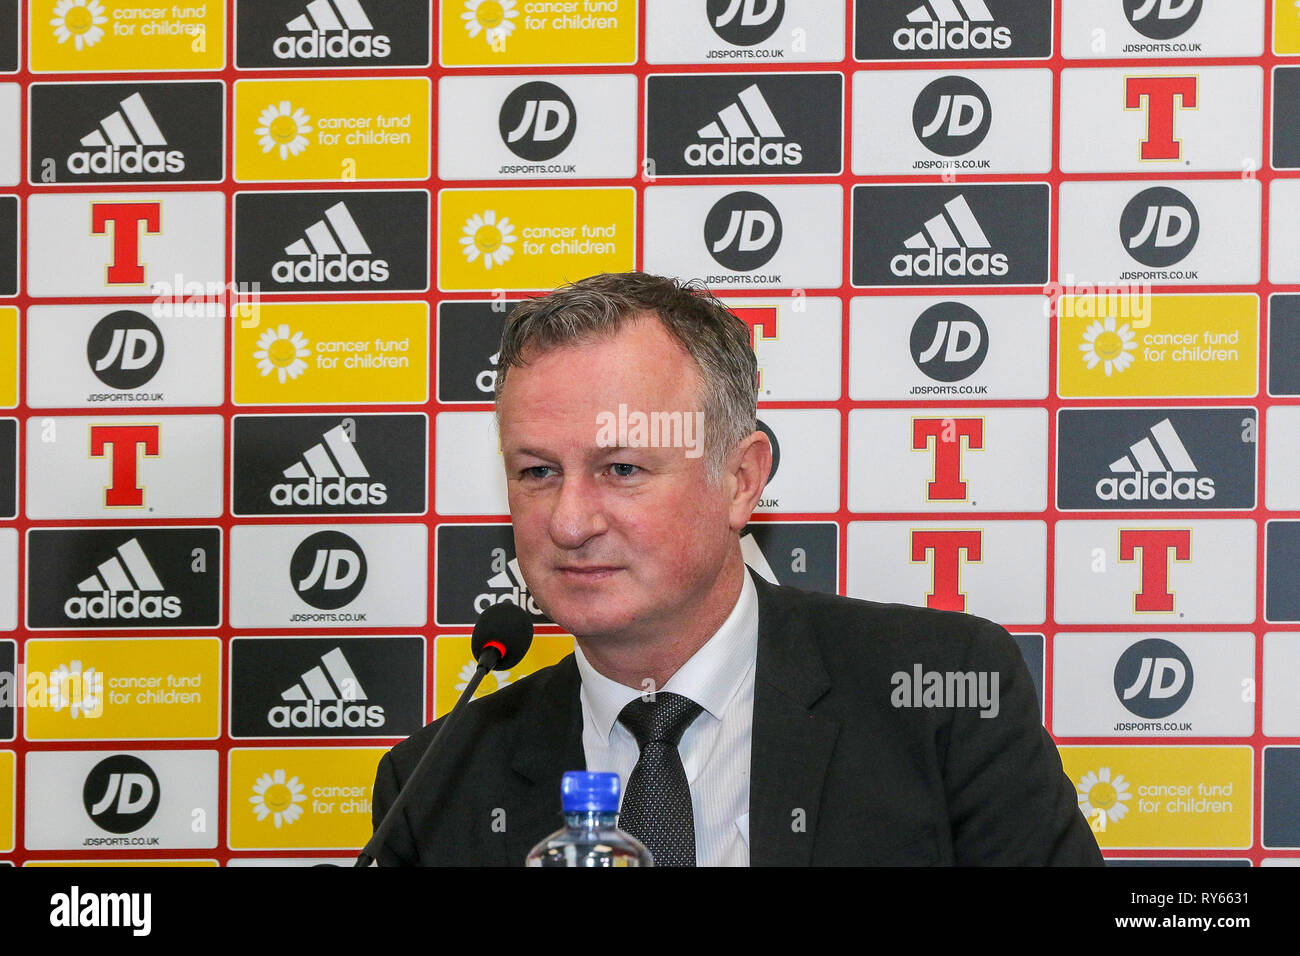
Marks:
<point>752,724</point>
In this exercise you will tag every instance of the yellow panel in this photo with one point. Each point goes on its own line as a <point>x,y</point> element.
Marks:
<point>533,238</point>
<point>306,799</point>
<point>1203,346</point>
<point>1164,797</point>
<point>453,666</point>
<point>332,129</point>
<point>1286,26</point>
<point>123,689</point>
<point>332,353</point>
<point>105,36</point>
<point>120,863</point>
<point>8,782</point>
<point>516,32</point>
<point>8,356</point>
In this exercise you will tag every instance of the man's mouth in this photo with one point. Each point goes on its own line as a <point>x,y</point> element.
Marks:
<point>586,571</point>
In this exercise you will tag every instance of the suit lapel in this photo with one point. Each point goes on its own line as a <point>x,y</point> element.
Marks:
<point>548,743</point>
<point>790,751</point>
<point>791,745</point>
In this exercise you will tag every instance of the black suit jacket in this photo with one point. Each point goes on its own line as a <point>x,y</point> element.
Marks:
<point>839,775</point>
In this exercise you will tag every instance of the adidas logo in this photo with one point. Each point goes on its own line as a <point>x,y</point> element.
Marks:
<point>1151,467</point>
<point>326,697</point>
<point>119,587</point>
<point>332,250</point>
<point>754,557</point>
<point>325,31</point>
<point>736,137</point>
<point>952,25</point>
<point>509,588</point>
<point>327,475</point>
<point>955,228</point>
<point>128,140</point>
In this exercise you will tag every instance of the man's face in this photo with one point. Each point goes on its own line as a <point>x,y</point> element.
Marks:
<point>615,543</point>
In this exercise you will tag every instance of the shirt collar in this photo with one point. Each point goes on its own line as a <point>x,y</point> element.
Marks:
<point>710,677</point>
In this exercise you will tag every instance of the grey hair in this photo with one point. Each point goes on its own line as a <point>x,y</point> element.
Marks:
<point>599,306</point>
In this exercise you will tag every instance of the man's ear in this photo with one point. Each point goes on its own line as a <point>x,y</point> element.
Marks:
<point>746,477</point>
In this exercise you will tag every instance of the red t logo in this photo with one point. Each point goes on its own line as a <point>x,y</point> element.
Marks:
<point>1159,93</point>
<point>761,320</point>
<point>946,435</point>
<point>946,546</point>
<point>126,217</point>
<point>122,444</point>
<point>1136,543</point>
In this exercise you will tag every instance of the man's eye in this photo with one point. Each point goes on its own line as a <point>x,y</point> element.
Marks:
<point>538,472</point>
<point>623,469</point>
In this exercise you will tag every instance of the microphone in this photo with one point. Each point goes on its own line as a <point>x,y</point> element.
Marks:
<point>506,629</point>
<point>502,636</point>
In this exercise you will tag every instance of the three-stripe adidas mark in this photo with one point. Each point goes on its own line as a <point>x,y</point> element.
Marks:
<point>328,475</point>
<point>953,228</point>
<point>132,125</point>
<point>754,557</point>
<point>340,684</point>
<point>336,234</point>
<point>760,121</point>
<point>323,16</point>
<point>508,587</point>
<point>1157,467</point>
<point>326,697</point>
<point>127,570</point>
<point>951,11</point>
<point>1143,456</point>
<point>331,29</point>
<point>952,25</point>
<point>127,140</point>
<point>332,249</point>
<point>736,137</point>
<point>124,587</point>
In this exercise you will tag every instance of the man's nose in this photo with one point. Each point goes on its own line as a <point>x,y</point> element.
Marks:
<point>578,515</point>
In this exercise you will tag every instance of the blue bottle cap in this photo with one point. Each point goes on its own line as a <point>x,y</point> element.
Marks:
<point>582,792</point>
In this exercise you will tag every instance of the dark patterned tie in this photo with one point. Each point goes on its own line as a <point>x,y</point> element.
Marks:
<point>657,802</point>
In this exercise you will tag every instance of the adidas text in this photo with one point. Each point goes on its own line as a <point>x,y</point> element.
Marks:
<point>333,269</point>
<point>334,492</point>
<point>107,606</point>
<point>753,152</point>
<point>956,264</point>
<point>959,36</point>
<point>317,46</point>
<point>134,159</point>
<point>514,596</point>
<point>1157,487</point>
<point>335,713</point>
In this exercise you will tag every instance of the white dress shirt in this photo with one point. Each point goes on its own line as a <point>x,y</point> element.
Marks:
<point>715,748</point>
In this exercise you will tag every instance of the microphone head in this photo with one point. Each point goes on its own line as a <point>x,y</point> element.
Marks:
<point>507,625</point>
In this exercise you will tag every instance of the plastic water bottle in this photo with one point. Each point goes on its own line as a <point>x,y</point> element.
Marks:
<point>591,836</point>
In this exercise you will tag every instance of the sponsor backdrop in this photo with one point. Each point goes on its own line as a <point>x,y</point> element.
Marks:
<point>1024,284</point>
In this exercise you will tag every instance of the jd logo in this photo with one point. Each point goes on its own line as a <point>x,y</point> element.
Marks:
<point>949,341</point>
<point>328,570</point>
<point>125,349</point>
<point>1159,226</point>
<point>121,793</point>
<point>951,116</point>
<point>745,22</point>
<point>1162,19</point>
<point>1153,678</point>
<point>742,231</point>
<point>537,121</point>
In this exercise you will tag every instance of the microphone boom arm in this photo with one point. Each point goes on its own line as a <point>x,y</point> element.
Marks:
<point>492,653</point>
